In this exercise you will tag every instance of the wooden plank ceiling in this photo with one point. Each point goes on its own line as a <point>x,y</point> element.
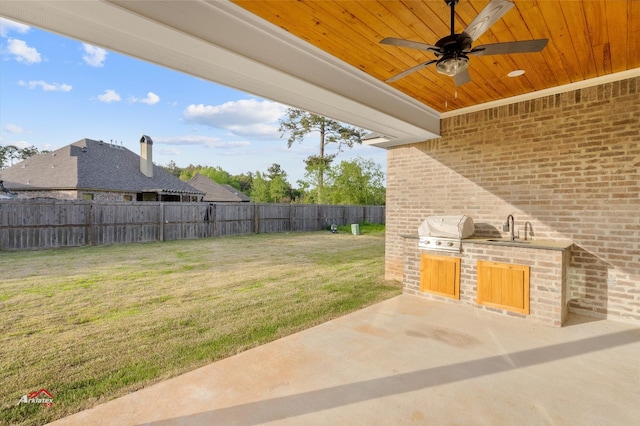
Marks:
<point>587,39</point>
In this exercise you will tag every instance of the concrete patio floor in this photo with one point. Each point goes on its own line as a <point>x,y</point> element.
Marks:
<point>407,361</point>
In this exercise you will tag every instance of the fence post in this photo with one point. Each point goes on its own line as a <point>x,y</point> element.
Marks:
<point>212,216</point>
<point>291,211</point>
<point>91,231</point>
<point>161,228</point>
<point>256,219</point>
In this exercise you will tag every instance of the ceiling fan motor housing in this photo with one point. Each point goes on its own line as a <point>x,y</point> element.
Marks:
<point>454,43</point>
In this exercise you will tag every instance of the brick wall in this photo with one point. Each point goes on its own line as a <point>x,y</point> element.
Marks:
<point>60,195</point>
<point>569,164</point>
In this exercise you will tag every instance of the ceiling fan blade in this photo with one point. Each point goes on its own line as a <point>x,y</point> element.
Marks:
<point>525,46</point>
<point>409,71</point>
<point>487,17</point>
<point>410,44</point>
<point>462,77</point>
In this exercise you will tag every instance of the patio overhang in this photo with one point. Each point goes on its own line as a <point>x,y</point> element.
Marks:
<point>223,43</point>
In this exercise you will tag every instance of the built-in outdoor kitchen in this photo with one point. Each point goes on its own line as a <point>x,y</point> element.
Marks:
<point>567,173</point>
<point>515,276</point>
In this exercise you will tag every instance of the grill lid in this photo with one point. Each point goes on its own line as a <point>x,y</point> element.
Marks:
<point>459,227</point>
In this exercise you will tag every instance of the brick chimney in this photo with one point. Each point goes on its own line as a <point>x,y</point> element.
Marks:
<point>146,156</point>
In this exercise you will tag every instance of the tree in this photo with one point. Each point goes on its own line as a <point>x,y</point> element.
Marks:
<point>216,174</point>
<point>359,181</point>
<point>27,152</point>
<point>11,153</point>
<point>7,155</point>
<point>245,180</point>
<point>272,186</point>
<point>173,168</point>
<point>275,170</point>
<point>260,192</point>
<point>242,182</point>
<point>279,188</point>
<point>189,172</point>
<point>309,187</point>
<point>298,124</point>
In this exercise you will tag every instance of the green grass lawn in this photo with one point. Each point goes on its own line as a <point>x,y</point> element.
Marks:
<point>94,323</point>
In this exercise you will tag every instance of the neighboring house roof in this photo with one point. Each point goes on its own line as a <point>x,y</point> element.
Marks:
<point>237,193</point>
<point>90,165</point>
<point>214,192</point>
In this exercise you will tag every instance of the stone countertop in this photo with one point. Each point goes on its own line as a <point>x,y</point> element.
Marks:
<point>533,244</point>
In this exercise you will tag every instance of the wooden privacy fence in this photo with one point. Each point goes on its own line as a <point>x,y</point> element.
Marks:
<point>39,224</point>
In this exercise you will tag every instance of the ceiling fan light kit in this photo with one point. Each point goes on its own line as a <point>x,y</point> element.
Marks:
<point>453,51</point>
<point>452,65</point>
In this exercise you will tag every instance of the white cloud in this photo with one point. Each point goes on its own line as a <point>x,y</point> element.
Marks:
<point>151,99</point>
<point>47,87</point>
<point>255,130</point>
<point>22,52</point>
<point>171,152</point>
<point>22,144</point>
<point>14,129</point>
<point>109,96</point>
<point>207,141</point>
<point>249,117</point>
<point>93,56</point>
<point>7,26</point>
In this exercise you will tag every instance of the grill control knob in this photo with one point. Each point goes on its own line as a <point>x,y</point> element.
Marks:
<point>438,243</point>
<point>450,244</point>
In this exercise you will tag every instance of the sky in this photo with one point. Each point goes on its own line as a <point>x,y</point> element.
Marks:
<point>55,91</point>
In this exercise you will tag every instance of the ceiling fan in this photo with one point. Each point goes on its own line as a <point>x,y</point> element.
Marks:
<point>453,51</point>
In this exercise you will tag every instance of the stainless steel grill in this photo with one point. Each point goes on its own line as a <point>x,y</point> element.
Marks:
<point>444,233</point>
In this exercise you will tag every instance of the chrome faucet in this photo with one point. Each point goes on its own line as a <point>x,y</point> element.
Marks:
<point>509,226</point>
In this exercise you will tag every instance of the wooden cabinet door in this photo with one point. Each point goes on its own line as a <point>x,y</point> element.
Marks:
<point>503,285</point>
<point>440,275</point>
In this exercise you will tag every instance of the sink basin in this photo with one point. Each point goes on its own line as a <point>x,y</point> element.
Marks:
<point>510,241</point>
